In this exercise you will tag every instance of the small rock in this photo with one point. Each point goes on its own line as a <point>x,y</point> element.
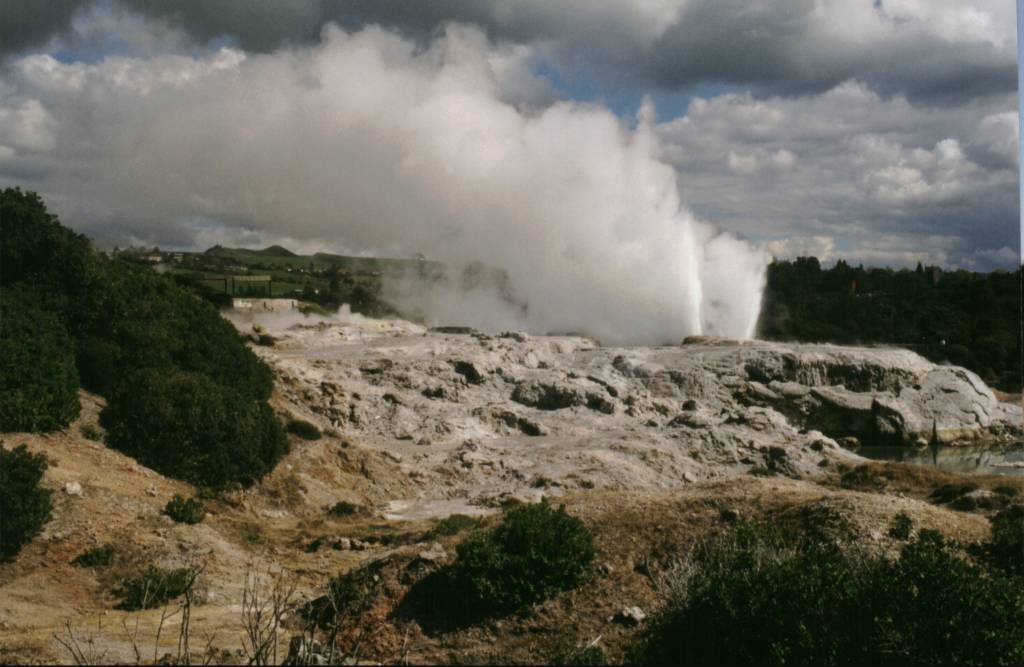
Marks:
<point>630,616</point>
<point>73,489</point>
<point>605,568</point>
<point>394,456</point>
<point>434,554</point>
<point>152,491</point>
<point>342,544</point>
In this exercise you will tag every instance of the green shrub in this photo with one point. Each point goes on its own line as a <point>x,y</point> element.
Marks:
<point>37,249</point>
<point>182,510</point>
<point>187,426</point>
<point>347,595</point>
<point>902,527</point>
<point>90,432</point>
<point>100,556</point>
<point>537,551</point>
<point>303,429</point>
<point>154,587</point>
<point>344,508</point>
<point>38,377</point>
<point>1007,545</point>
<point>760,597</point>
<point>24,506</point>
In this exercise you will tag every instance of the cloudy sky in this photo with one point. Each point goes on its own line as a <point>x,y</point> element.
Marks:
<point>883,132</point>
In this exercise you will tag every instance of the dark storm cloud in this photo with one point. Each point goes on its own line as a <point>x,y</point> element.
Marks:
<point>27,23</point>
<point>939,51</point>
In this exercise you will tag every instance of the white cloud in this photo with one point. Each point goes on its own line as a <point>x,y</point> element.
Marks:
<point>850,163</point>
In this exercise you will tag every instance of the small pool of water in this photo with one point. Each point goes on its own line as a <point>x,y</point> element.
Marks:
<point>977,460</point>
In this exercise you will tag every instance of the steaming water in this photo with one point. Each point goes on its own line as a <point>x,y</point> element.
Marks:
<point>977,460</point>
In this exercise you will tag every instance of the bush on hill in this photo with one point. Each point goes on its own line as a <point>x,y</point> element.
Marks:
<point>187,426</point>
<point>536,552</point>
<point>24,506</point>
<point>185,510</point>
<point>38,377</point>
<point>69,311</point>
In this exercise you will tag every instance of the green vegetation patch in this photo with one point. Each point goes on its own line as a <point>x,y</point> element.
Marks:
<point>187,426</point>
<point>38,375</point>
<point>343,508</point>
<point>758,596</point>
<point>154,587</point>
<point>185,510</point>
<point>536,552</point>
<point>25,506</point>
<point>100,556</point>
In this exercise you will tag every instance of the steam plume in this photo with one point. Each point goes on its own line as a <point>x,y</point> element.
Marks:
<point>450,151</point>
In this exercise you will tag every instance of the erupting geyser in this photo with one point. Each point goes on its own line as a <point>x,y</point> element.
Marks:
<point>456,151</point>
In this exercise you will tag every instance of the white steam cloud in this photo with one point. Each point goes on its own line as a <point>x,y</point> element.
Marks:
<point>367,142</point>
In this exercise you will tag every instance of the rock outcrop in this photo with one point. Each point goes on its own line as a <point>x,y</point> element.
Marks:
<point>486,418</point>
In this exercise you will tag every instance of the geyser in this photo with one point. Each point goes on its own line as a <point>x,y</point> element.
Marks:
<point>455,151</point>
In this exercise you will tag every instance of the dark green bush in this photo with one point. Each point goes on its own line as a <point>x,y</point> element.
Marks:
<point>91,432</point>
<point>902,527</point>
<point>185,510</point>
<point>187,426</point>
<point>760,597</point>
<point>153,587</point>
<point>24,506</point>
<point>536,552</point>
<point>100,556</point>
<point>35,248</point>
<point>1007,545</point>
<point>303,429</point>
<point>138,319</point>
<point>38,377</point>
<point>344,508</point>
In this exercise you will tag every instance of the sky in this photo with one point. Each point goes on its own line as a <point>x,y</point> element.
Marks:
<point>883,132</point>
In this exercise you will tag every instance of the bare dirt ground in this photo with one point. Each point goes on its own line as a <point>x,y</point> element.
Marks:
<point>646,487</point>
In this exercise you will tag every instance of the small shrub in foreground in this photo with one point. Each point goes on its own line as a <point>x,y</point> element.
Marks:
<point>344,508</point>
<point>536,552</point>
<point>154,587</point>
<point>185,510</point>
<point>303,429</point>
<point>100,556</point>
<point>902,527</point>
<point>24,506</point>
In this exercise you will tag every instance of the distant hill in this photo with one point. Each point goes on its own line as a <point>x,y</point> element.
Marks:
<point>277,251</point>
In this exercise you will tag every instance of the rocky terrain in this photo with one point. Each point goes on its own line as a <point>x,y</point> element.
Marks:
<point>650,447</point>
<point>475,418</point>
